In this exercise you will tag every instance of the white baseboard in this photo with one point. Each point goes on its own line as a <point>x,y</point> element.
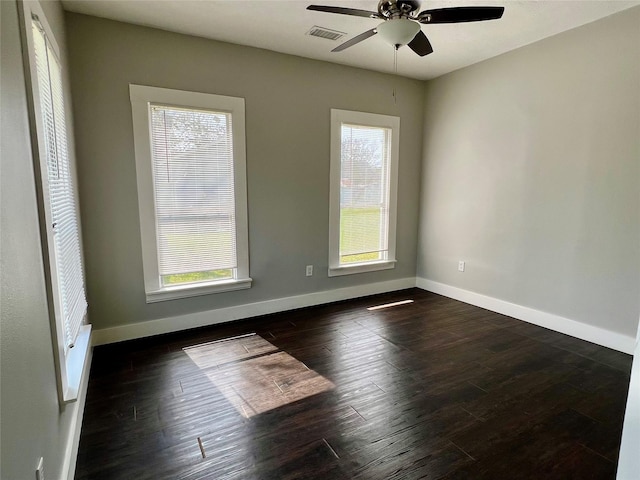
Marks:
<point>212,317</point>
<point>590,333</point>
<point>73,442</point>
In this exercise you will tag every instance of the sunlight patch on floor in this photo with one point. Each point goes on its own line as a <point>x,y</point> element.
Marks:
<point>254,375</point>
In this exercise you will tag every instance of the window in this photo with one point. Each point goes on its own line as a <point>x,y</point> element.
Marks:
<point>364,171</point>
<point>191,169</point>
<point>58,206</point>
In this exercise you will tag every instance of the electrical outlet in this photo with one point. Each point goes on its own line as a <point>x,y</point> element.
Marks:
<point>40,469</point>
<point>309,270</point>
<point>461,266</point>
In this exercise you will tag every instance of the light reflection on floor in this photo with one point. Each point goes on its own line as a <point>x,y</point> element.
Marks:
<point>254,375</point>
<point>387,305</point>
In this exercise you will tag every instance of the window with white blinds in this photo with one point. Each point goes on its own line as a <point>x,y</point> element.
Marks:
<point>59,188</point>
<point>192,153</point>
<point>56,198</point>
<point>363,191</point>
<point>191,172</point>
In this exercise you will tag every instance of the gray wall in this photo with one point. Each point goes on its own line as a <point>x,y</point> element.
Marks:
<point>288,101</point>
<point>32,424</point>
<point>530,175</point>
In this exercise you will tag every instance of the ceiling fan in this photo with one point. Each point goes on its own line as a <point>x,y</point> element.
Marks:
<point>401,25</point>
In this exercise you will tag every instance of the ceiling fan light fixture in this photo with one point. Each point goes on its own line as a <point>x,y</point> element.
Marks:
<point>398,31</point>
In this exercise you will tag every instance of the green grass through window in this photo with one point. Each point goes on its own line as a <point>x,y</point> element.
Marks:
<point>194,277</point>
<point>360,232</point>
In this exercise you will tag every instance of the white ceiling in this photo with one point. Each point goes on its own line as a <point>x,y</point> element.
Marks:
<point>280,25</point>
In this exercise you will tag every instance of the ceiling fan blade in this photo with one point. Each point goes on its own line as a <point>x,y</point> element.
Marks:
<point>356,39</point>
<point>460,14</point>
<point>420,44</point>
<point>344,11</point>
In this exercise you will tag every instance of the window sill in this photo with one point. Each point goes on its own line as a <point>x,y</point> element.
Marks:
<point>186,291</point>
<point>361,268</point>
<point>75,364</point>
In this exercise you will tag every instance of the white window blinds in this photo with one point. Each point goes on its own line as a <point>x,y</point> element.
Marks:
<point>193,168</point>
<point>364,193</point>
<point>61,194</point>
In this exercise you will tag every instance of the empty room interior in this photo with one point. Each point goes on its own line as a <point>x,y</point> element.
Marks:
<point>357,239</point>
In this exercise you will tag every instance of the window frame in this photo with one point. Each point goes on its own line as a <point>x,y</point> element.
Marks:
<point>142,97</point>
<point>70,363</point>
<point>338,118</point>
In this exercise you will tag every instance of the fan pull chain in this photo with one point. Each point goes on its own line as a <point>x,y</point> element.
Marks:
<point>395,60</point>
<point>395,71</point>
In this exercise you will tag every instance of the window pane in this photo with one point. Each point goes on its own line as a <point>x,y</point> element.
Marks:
<point>194,194</point>
<point>364,193</point>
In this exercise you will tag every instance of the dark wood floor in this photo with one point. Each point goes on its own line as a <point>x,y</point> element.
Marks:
<point>434,389</point>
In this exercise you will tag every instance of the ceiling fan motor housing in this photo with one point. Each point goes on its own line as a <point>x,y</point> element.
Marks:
<point>397,8</point>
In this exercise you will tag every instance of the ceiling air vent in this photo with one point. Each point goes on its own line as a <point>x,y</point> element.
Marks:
<point>325,33</point>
